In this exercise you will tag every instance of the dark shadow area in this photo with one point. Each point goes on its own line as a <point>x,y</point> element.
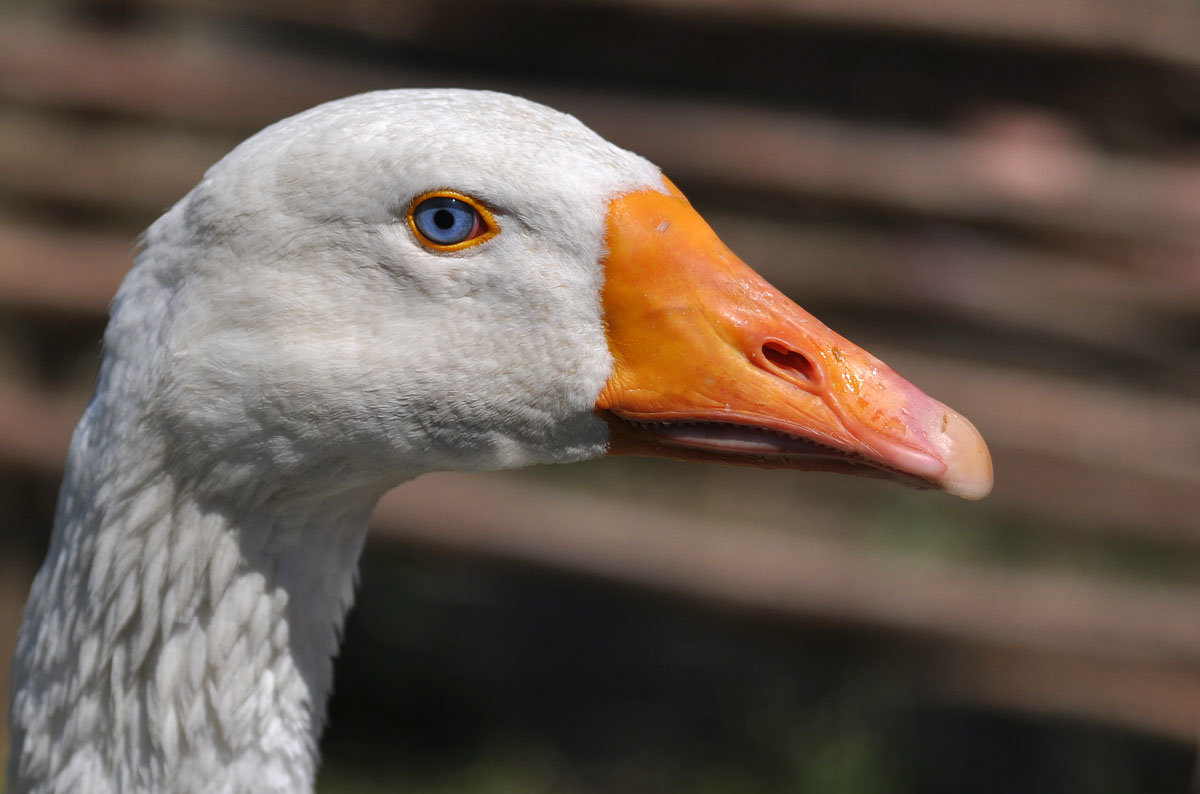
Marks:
<point>559,682</point>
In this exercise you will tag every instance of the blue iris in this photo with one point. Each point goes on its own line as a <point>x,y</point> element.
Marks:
<point>445,220</point>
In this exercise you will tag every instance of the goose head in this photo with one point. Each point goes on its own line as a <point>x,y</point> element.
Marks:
<point>386,285</point>
<point>407,281</point>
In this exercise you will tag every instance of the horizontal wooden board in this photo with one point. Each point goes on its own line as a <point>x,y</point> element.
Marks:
<point>1158,29</point>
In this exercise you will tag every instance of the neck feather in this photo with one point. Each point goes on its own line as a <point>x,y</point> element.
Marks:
<point>179,639</point>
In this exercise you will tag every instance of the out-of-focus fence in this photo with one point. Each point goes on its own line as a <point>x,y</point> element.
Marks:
<point>1001,200</point>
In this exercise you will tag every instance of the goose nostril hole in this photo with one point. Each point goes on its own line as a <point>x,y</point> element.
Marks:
<point>790,361</point>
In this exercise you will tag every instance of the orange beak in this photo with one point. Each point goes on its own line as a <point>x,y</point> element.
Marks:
<point>713,363</point>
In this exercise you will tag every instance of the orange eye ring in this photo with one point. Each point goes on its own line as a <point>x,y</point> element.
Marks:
<point>484,227</point>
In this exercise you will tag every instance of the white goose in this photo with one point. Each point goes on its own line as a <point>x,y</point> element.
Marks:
<point>386,285</point>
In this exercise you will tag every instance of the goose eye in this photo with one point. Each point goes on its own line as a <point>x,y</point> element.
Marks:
<point>449,222</point>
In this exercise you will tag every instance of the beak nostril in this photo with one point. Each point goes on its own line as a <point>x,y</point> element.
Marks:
<point>790,361</point>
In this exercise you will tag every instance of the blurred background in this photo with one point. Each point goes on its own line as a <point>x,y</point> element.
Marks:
<point>1002,200</point>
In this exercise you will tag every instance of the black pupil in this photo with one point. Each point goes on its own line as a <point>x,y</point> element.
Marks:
<point>443,219</point>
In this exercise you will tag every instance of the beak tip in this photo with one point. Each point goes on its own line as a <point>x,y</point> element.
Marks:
<point>968,462</point>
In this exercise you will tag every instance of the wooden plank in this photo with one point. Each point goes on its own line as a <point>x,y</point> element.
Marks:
<point>61,269</point>
<point>1058,187</point>
<point>157,77</point>
<point>1092,495</point>
<point>36,427</point>
<point>116,167</point>
<point>1157,29</point>
<point>1161,699</point>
